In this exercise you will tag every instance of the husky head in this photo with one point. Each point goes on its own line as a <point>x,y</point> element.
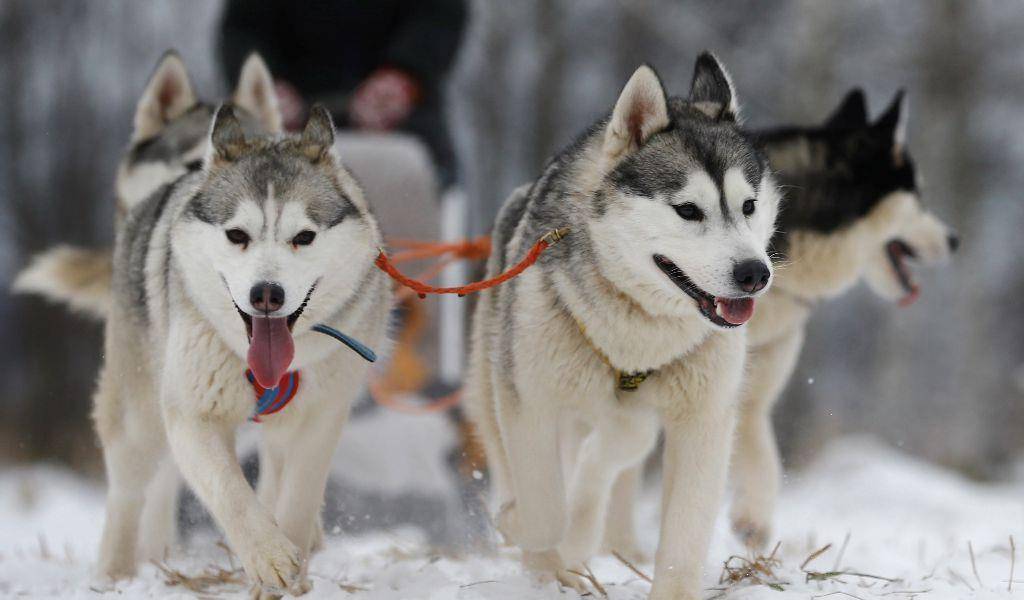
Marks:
<point>858,178</point>
<point>280,229</point>
<point>171,125</point>
<point>687,206</point>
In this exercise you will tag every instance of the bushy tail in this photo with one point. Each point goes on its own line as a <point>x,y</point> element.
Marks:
<point>78,277</point>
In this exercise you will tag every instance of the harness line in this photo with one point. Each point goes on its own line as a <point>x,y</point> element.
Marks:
<point>272,400</point>
<point>422,289</point>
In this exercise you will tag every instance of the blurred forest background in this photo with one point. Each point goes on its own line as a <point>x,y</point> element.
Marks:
<point>943,379</point>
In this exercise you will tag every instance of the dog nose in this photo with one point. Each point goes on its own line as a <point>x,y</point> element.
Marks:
<point>266,296</point>
<point>751,275</point>
<point>954,242</point>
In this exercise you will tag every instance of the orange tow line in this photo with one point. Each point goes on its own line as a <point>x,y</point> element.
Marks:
<point>475,249</point>
<point>469,249</point>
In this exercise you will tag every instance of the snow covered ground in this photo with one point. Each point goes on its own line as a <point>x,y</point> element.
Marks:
<point>902,524</point>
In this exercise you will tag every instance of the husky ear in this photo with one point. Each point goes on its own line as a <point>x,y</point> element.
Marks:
<point>640,112</point>
<point>893,124</point>
<point>227,140</point>
<point>712,91</point>
<point>255,93</point>
<point>318,136</point>
<point>167,96</point>
<point>852,112</point>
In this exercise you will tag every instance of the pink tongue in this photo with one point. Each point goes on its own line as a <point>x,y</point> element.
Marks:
<point>271,350</point>
<point>736,311</point>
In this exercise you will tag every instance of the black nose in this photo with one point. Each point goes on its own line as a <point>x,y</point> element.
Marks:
<point>751,275</point>
<point>954,242</point>
<point>266,296</point>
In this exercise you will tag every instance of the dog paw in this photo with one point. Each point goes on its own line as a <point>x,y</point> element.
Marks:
<point>276,567</point>
<point>258,593</point>
<point>115,568</point>
<point>753,535</point>
<point>547,566</point>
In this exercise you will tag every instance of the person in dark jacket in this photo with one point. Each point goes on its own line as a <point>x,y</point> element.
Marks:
<point>377,65</point>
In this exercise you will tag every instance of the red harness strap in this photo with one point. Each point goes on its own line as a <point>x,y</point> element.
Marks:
<point>272,400</point>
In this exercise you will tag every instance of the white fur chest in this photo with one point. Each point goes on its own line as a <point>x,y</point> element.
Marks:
<point>630,338</point>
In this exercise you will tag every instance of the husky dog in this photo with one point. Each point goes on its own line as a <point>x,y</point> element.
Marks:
<point>852,211</point>
<point>169,139</point>
<point>629,324</point>
<point>232,264</point>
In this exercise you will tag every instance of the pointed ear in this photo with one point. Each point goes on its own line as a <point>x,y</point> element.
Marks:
<point>712,91</point>
<point>852,112</point>
<point>227,140</point>
<point>893,124</point>
<point>640,112</point>
<point>318,137</point>
<point>167,96</point>
<point>255,93</point>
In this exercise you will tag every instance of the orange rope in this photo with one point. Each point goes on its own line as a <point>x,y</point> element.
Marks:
<point>475,249</point>
<point>422,289</point>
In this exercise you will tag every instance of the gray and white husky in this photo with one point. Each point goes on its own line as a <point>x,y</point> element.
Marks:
<point>230,266</point>
<point>852,212</point>
<point>629,324</point>
<point>170,132</point>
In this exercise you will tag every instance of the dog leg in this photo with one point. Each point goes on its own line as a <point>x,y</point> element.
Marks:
<point>304,472</point>
<point>269,481</point>
<point>620,528</point>
<point>696,459</point>
<point>529,430</point>
<point>159,530</point>
<point>756,465</point>
<point>616,443</point>
<point>133,445</point>
<point>204,449</point>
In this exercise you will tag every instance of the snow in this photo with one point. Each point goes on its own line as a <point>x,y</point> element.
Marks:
<point>901,519</point>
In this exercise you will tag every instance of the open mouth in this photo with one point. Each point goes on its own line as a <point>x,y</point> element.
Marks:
<point>271,348</point>
<point>289,320</point>
<point>724,312</point>
<point>899,252</point>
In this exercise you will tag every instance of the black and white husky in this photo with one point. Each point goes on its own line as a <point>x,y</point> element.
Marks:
<point>629,324</point>
<point>852,212</point>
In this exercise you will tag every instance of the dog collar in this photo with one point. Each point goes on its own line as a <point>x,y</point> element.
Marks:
<point>625,381</point>
<point>272,400</point>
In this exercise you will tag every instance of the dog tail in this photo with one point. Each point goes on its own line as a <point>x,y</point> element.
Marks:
<point>78,277</point>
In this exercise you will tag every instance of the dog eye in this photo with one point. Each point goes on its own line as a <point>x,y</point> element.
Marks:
<point>689,212</point>
<point>748,206</point>
<point>237,236</point>
<point>304,238</point>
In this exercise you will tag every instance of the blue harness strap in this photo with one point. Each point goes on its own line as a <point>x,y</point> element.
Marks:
<point>272,400</point>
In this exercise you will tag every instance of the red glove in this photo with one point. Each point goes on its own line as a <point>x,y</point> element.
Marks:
<point>384,99</point>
